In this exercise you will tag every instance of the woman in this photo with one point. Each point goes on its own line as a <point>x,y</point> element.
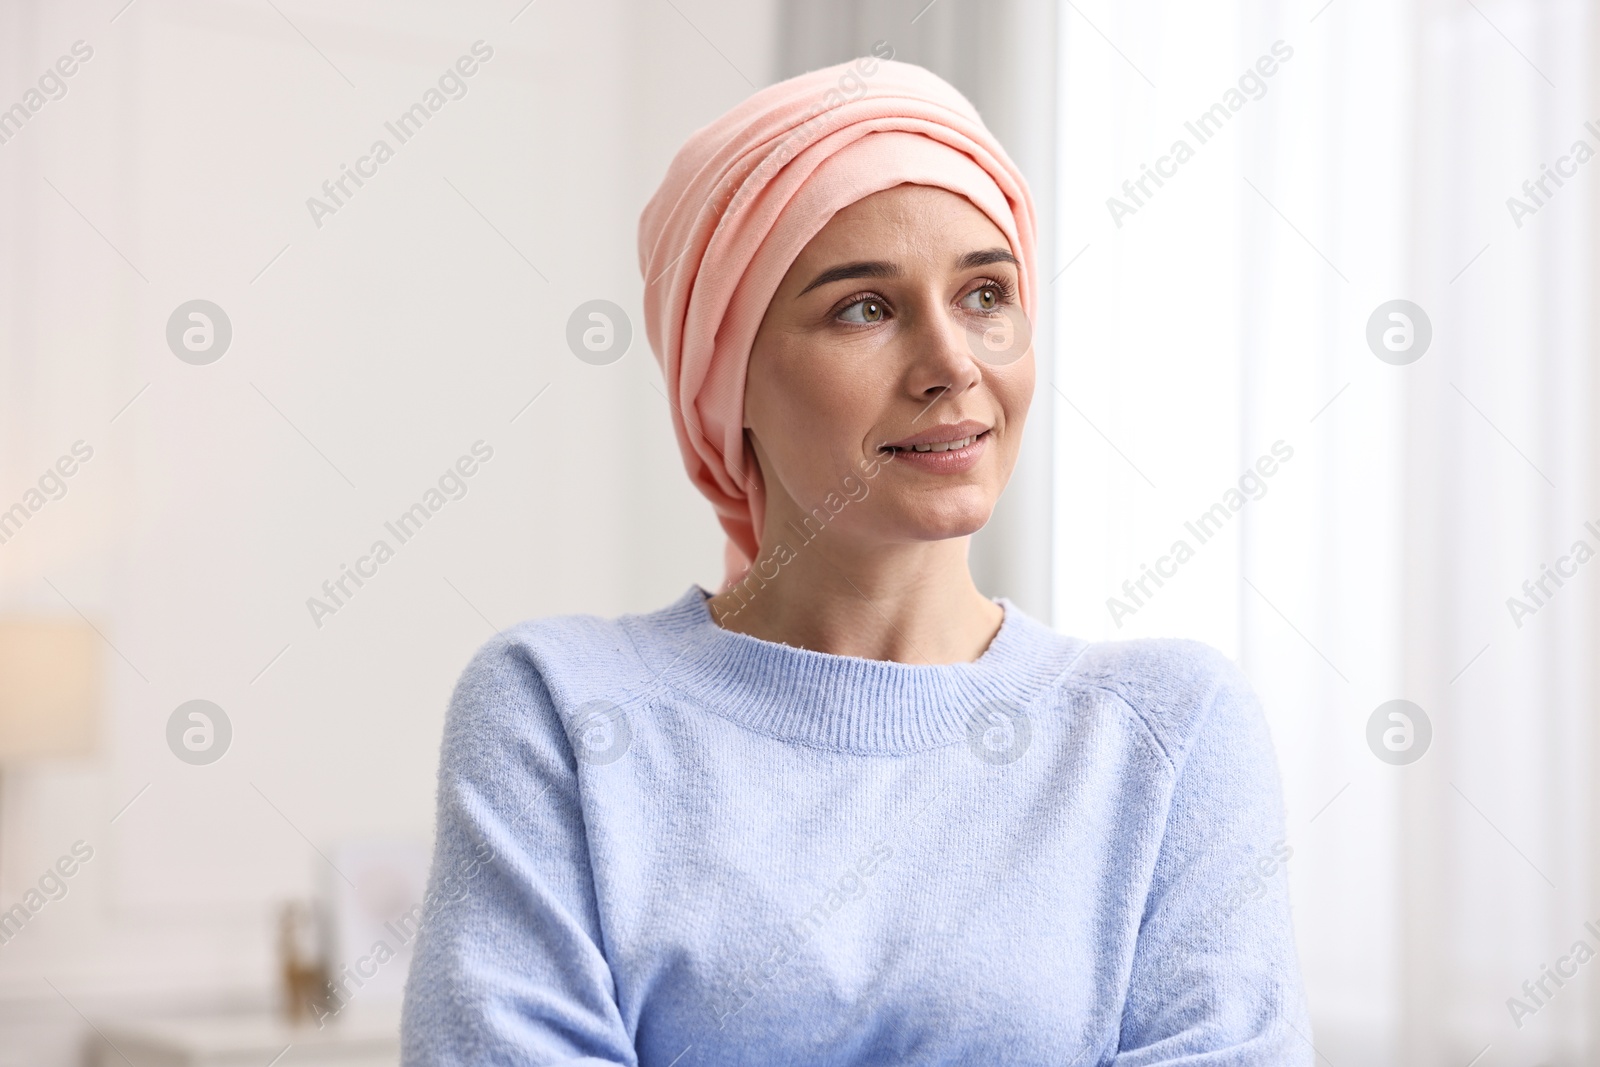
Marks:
<point>849,810</point>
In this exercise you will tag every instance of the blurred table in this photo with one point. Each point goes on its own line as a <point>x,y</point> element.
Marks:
<point>351,1040</point>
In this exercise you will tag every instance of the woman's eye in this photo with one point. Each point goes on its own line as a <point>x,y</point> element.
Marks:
<point>989,298</point>
<point>864,312</point>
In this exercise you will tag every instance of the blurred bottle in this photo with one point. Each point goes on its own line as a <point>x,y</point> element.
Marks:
<point>303,962</point>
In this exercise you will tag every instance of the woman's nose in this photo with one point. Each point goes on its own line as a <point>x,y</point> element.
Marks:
<point>943,362</point>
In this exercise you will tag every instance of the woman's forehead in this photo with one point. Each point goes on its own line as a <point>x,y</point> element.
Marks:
<point>906,218</point>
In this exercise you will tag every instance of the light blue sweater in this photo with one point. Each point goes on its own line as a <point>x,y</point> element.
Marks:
<point>664,843</point>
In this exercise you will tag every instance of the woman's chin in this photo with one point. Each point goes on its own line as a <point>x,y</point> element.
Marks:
<point>946,519</point>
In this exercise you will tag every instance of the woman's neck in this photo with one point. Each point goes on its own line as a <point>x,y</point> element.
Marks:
<point>911,603</point>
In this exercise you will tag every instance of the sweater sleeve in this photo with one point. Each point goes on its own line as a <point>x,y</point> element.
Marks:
<point>509,967</point>
<point>1215,976</point>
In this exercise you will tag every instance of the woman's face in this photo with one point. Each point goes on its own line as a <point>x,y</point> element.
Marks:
<point>898,326</point>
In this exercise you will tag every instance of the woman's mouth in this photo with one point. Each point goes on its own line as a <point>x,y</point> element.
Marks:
<point>943,450</point>
<point>944,446</point>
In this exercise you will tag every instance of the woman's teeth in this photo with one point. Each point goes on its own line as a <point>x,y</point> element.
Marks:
<point>946,446</point>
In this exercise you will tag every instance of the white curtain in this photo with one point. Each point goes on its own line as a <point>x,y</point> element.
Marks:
<point>1230,312</point>
<point>1355,526</point>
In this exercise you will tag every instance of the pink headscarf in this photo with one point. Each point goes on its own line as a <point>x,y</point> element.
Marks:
<point>742,198</point>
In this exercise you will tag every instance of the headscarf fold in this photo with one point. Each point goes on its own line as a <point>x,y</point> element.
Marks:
<point>742,198</point>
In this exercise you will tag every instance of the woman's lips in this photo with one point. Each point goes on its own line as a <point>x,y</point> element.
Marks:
<point>962,456</point>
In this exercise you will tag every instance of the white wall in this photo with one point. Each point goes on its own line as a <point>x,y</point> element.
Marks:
<point>369,356</point>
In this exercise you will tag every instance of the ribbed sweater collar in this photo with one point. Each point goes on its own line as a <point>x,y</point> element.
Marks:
<point>845,703</point>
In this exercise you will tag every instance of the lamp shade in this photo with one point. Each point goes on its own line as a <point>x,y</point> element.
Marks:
<point>49,685</point>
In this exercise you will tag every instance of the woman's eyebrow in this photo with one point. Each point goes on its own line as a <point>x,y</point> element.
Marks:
<point>863,269</point>
<point>986,257</point>
<point>880,269</point>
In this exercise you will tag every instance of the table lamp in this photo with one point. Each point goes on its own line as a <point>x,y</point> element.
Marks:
<point>49,686</point>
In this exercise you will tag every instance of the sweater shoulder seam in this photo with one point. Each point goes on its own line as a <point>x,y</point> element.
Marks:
<point>1066,680</point>
<point>1147,729</point>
